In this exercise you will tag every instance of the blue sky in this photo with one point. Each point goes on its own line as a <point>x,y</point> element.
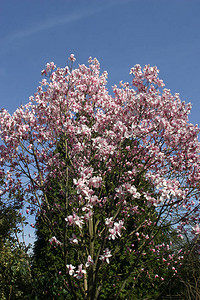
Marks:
<point>120,33</point>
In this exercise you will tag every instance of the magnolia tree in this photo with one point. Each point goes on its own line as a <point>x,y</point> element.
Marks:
<point>125,167</point>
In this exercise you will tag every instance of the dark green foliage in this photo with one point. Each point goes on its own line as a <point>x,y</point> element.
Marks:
<point>15,275</point>
<point>186,284</point>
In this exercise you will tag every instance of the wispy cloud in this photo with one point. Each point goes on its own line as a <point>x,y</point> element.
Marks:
<point>58,21</point>
<point>14,40</point>
<point>48,24</point>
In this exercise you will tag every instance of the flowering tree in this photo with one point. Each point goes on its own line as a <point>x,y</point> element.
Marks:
<point>123,170</point>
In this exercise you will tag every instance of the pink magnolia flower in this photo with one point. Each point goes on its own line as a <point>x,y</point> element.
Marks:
<point>73,239</point>
<point>196,229</point>
<point>116,230</point>
<point>80,272</point>
<point>89,261</point>
<point>88,215</point>
<point>74,220</point>
<point>70,269</point>
<point>78,221</point>
<point>106,255</point>
<point>54,240</point>
<point>80,184</point>
<point>95,181</point>
<point>72,58</point>
<point>69,220</point>
<point>109,222</point>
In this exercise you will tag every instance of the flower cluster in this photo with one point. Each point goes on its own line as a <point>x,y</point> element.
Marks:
<point>79,273</point>
<point>116,230</point>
